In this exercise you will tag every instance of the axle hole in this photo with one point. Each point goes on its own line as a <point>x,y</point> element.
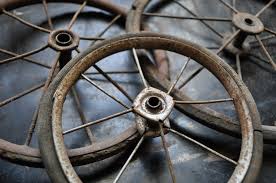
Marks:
<point>248,21</point>
<point>154,102</point>
<point>64,39</point>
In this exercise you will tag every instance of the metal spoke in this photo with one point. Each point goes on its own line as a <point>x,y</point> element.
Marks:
<point>129,159</point>
<point>204,147</point>
<point>139,68</point>
<point>270,31</point>
<point>218,19</point>
<point>98,121</point>
<point>102,90</point>
<point>25,59</point>
<point>11,99</point>
<point>192,13</point>
<point>265,7</point>
<point>227,42</point>
<point>99,36</point>
<point>113,72</point>
<point>82,116</point>
<point>24,55</point>
<point>178,76</point>
<point>229,6</point>
<point>74,18</point>
<point>35,115</point>
<point>194,74</point>
<point>167,154</point>
<point>266,52</point>
<point>257,57</point>
<point>91,38</point>
<point>238,64</point>
<point>113,82</point>
<point>45,7</point>
<point>233,13</point>
<point>263,38</point>
<point>203,101</point>
<point>26,22</point>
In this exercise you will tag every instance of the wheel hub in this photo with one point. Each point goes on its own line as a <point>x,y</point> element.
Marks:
<point>248,23</point>
<point>63,40</point>
<point>153,107</point>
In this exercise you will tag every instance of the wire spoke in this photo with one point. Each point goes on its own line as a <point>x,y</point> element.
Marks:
<point>113,72</point>
<point>81,114</point>
<point>194,74</point>
<point>265,7</point>
<point>178,76</point>
<point>203,101</point>
<point>45,7</point>
<point>129,159</point>
<point>227,42</point>
<point>99,36</point>
<point>204,146</point>
<point>167,154</point>
<point>238,64</point>
<point>14,98</point>
<point>113,82</point>
<point>195,15</point>
<point>229,6</point>
<point>24,55</point>
<point>25,59</point>
<point>74,18</point>
<point>263,38</point>
<point>26,22</point>
<point>98,121</point>
<point>266,52</point>
<point>259,58</point>
<point>91,38</point>
<point>233,13</point>
<point>270,31</point>
<point>139,68</point>
<point>35,115</point>
<point>102,90</point>
<point>218,19</point>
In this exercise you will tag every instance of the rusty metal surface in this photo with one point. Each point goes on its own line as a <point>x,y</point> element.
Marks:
<point>106,170</point>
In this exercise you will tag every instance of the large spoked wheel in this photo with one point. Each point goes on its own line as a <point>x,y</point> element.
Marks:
<point>63,42</point>
<point>250,35</point>
<point>151,107</point>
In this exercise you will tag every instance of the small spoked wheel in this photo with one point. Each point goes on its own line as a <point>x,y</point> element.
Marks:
<point>241,36</point>
<point>56,41</point>
<point>152,108</point>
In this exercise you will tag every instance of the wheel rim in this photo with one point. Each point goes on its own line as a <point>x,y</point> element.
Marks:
<point>24,154</point>
<point>251,141</point>
<point>218,120</point>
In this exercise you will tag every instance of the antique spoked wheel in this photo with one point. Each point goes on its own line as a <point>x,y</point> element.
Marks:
<point>151,107</point>
<point>243,43</point>
<point>63,42</point>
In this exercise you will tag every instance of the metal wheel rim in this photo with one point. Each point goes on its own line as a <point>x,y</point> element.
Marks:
<point>26,155</point>
<point>218,121</point>
<point>251,151</point>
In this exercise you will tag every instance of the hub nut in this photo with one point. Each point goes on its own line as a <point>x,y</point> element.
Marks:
<point>153,104</point>
<point>63,40</point>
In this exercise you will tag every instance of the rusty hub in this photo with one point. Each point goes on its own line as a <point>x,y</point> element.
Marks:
<point>63,40</point>
<point>248,23</point>
<point>152,107</point>
<point>153,104</point>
